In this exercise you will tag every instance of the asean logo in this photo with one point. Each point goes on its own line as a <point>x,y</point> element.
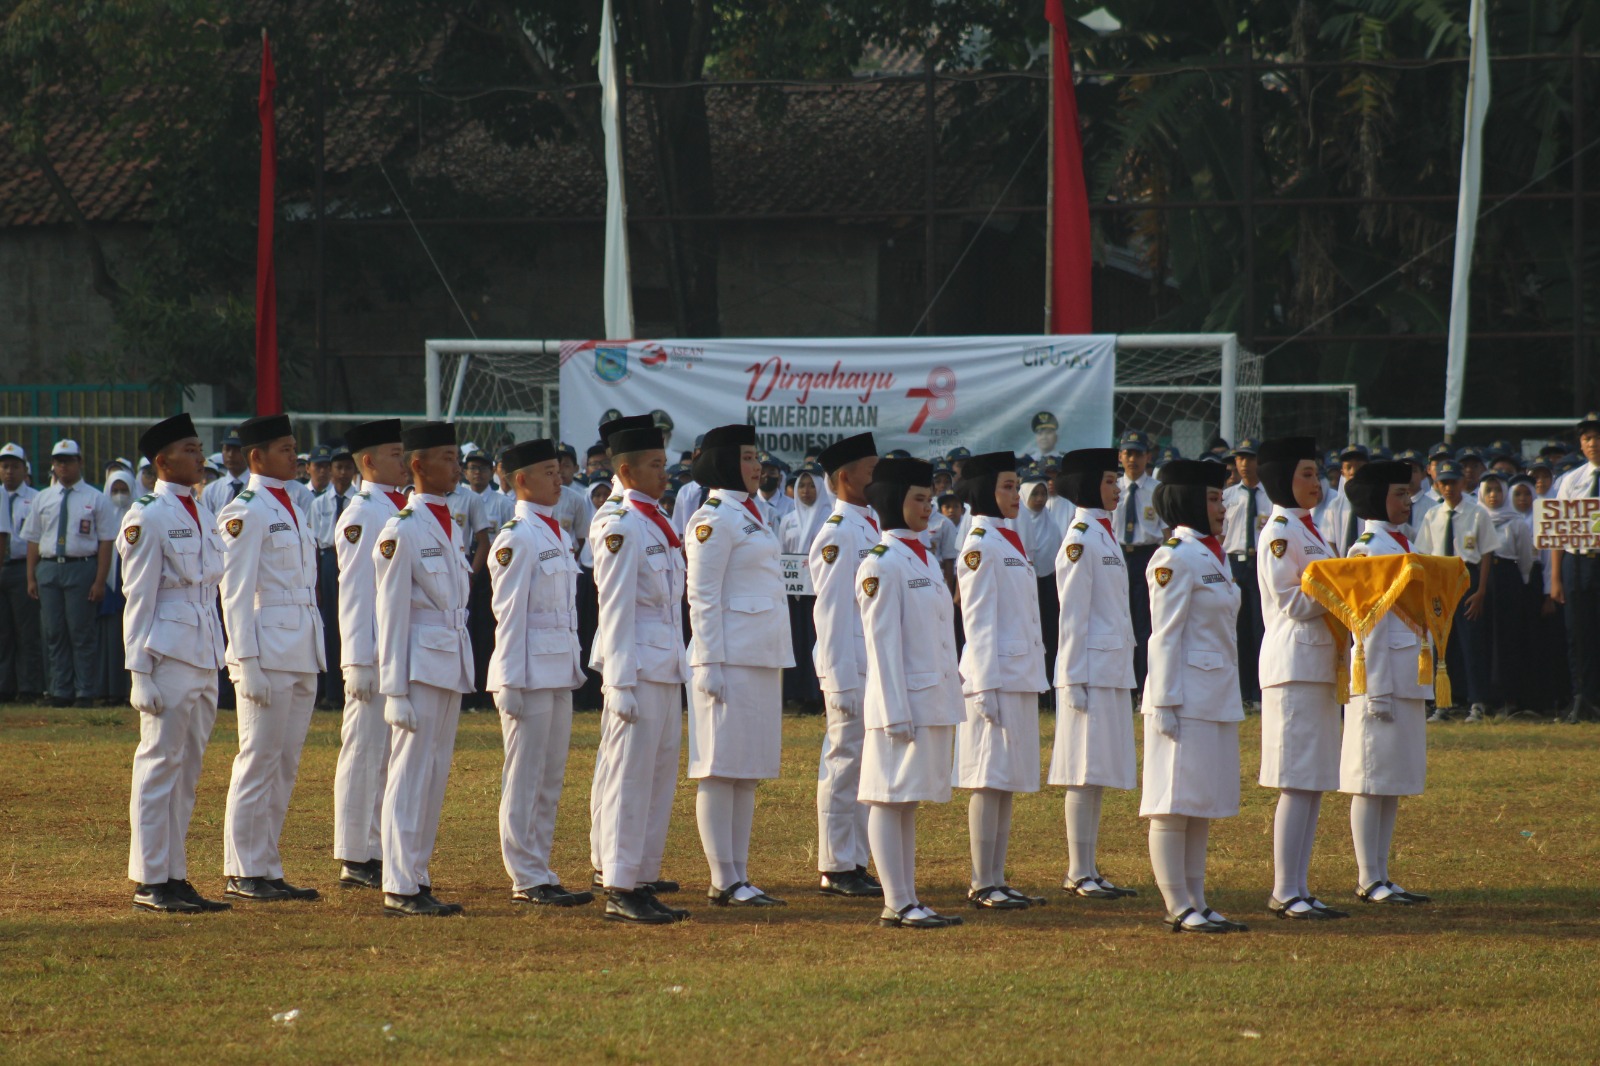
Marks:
<point>611,364</point>
<point>702,533</point>
<point>234,526</point>
<point>352,533</point>
<point>386,549</point>
<point>1163,575</point>
<point>830,552</point>
<point>1278,548</point>
<point>614,542</point>
<point>131,534</point>
<point>503,556</point>
<point>870,587</point>
<point>1074,552</point>
<point>972,559</point>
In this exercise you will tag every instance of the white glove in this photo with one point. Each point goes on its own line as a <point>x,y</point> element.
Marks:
<point>253,683</point>
<point>622,703</point>
<point>398,712</point>
<point>708,679</point>
<point>987,704</point>
<point>1167,722</point>
<point>1077,698</point>
<point>509,702</point>
<point>903,731</point>
<point>1380,709</point>
<point>145,697</point>
<point>846,703</point>
<point>360,682</point>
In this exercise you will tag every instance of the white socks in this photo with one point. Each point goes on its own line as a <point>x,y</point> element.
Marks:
<point>724,809</point>
<point>1169,835</point>
<point>1194,861</point>
<point>1372,827</point>
<point>1083,830</point>
<point>988,833</point>
<point>892,834</point>
<point>1294,831</point>
<point>744,816</point>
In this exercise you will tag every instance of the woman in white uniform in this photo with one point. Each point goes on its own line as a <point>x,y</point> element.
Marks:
<point>1385,751</point>
<point>737,654</point>
<point>1299,712</point>
<point>912,703</point>
<point>1094,679</point>
<point>1192,708</point>
<point>1002,673</point>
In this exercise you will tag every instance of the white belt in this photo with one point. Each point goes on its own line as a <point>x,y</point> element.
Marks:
<point>456,619</point>
<point>551,619</point>
<point>184,594</point>
<point>286,598</point>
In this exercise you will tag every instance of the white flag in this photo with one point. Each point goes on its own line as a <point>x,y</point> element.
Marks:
<point>1466,214</point>
<point>618,294</point>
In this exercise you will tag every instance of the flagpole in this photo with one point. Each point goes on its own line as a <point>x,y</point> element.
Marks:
<point>1050,190</point>
<point>1477,105</point>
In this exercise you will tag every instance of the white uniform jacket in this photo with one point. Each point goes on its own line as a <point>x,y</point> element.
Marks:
<point>171,568</point>
<point>912,673</point>
<point>422,581</point>
<point>269,582</point>
<point>357,530</point>
<point>1194,650</point>
<point>1095,646</point>
<point>1000,613</point>
<point>639,577</point>
<point>738,611</point>
<point>1297,645</point>
<point>535,580</point>
<point>844,540</point>
<point>1391,648</point>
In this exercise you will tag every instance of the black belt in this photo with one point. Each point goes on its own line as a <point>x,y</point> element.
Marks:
<point>1242,557</point>
<point>1129,549</point>
<point>67,559</point>
<point>13,562</point>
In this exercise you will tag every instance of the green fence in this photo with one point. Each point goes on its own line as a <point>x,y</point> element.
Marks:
<point>78,407</point>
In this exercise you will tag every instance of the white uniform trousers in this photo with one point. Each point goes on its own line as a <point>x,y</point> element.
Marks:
<point>641,763</point>
<point>166,768</point>
<point>530,784</point>
<point>413,795</point>
<point>270,739</point>
<point>358,781</point>
<point>841,817</point>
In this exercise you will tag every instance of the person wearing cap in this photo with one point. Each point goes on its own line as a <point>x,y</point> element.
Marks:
<point>770,496</point>
<point>327,507</point>
<point>847,535</point>
<point>1002,673</point>
<point>1508,618</point>
<point>235,475</point>
<point>739,650</point>
<point>1139,531</point>
<point>573,512</point>
<point>275,651</point>
<point>663,421</point>
<point>362,768</point>
<point>639,651</point>
<point>424,664</point>
<point>912,694</point>
<point>21,660</point>
<point>1384,752</point>
<point>302,467</point>
<point>1093,677</point>
<point>1339,523</point>
<point>1046,434</point>
<point>1248,505</point>
<point>1191,698</point>
<point>1422,501</point>
<point>1437,454</point>
<point>1300,713</point>
<point>534,670</point>
<point>69,530</point>
<point>1459,526</point>
<point>1472,467</point>
<point>171,566</point>
<point>319,470</point>
<point>1575,581</point>
<point>495,510</point>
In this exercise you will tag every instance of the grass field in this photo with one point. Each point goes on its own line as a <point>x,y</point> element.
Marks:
<point>1503,967</point>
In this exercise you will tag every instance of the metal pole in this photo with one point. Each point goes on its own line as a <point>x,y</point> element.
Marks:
<point>322,237</point>
<point>930,132</point>
<point>1580,362</point>
<point>431,357</point>
<point>1229,414</point>
<point>1247,192</point>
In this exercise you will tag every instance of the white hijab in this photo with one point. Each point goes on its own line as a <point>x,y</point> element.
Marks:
<point>124,478</point>
<point>1040,535</point>
<point>799,527</point>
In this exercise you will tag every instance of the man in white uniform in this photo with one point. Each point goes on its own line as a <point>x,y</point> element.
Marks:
<point>275,651</point>
<point>1575,582</point>
<point>1460,526</point>
<point>21,662</point>
<point>326,509</point>
<point>171,566</point>
<point>235,478</point>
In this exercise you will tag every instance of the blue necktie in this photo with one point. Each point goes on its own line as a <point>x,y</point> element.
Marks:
<point>61,524</point>
<point>1130,522</point>
<point>1450,532</point>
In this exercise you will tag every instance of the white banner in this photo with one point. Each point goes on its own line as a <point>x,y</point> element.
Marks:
<point>924,394</point>
<point>796,575</point>
<point>1571,525</point>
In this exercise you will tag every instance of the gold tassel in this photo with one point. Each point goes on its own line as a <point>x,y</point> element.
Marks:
<point>1424,664</point>
<point>1358,672</point>
<point>1442,697</point>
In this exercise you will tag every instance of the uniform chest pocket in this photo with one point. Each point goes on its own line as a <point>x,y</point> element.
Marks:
<point>554,563</point>
<point>915,682</point>
<point>1013,647</point>
<point>183,541</point>
<point>434,564</point>
<point>1317,634</point>
<point>1206,660</point>
<point>437,638</point>
<point>1104,642</point>
<point>181,613</point>
<point>655,557</point>
<point>750,604</point>
<point>285,541</point>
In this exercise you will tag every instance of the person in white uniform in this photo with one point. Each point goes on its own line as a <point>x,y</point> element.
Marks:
<point>639,652</point>
<point>1300,716</point>
<point>1385,751</point>
<point>846,536</point>
<point>913,700</point>
<point>535,667</point>
<point>740,646</point>
<point>1002,674</point>
<point>275,651</point>
<point>1094,678</point>
<point>171,567</point>
<point>424,664</point>
<point>363,765</point>
<point>1192,708</point>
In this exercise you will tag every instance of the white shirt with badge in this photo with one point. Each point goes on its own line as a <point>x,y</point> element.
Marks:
<point>269,579</point>
<point>16,506</point>
<point>1148,529</point>
<point>222,491</point>
<point>535,579</point>
<point>1297,644</point>
<point>90,520</point>
<point>843,541</point>
<point>171,570</point>
<point>326,512</point>
<point>639,581</point>
<point>423,581</point>
<point>1473,532</point>
<point>1237,535</point>
<point>353,536</point>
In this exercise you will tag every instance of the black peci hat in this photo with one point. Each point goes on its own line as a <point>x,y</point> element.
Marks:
<point>168,431</point>
<point>625,422</point>
<point>371,434</point>
<point>1078,480</point>
<point>1367,487</point>
<point>909,472</point>
<point>428,435</point>
<point>527,453</point>
<point>737,436</point>
<point>1193,473</point>
<point>643,438</point>
<point>263,429</point>
<point>846,451</point>
<point>988,463</point>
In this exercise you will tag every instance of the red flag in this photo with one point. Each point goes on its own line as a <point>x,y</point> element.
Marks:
<point>269,398</point>
<point>1070,306</point>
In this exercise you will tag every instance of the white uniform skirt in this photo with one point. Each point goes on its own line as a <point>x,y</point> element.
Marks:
<point>1384,758</point>
<point>1196,775</point>
<point>1095,748</point>
<point>1001,755</point>
<point>1300,736</point>
<point>741,736</point>
<point>907,771</point>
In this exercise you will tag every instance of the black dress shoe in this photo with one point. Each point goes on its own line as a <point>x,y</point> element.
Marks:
<point>1125,893</point>
<point>453,908</point>
<point>869,879</point>
<point>1227,925</point>
<point>726,897</point>
<point>551,895</point>
<point>1284,909</point>
<point>645,891</point>
<point>995,899</point>
<point>849,883</point>
<point>254,889</point>
<point>189,894</point>
<point>367,874</point>
<point>163,900</point>
<point>1176,923</point>
<point>1395,897</point>
<point>420,905</point>
<point>1032,901</point>
<point>902,919</point>
<point>661,888</point>
<point>1088,888</point>
<point>294,892</point>
<point>637,907</point>
<point>1327,911</point>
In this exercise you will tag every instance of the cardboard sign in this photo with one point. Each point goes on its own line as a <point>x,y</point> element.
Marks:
<point>796,575</point>
<point>1572,525</point>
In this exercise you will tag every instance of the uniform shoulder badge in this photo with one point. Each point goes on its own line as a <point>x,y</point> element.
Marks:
<point>1280,520</point>
<point>972,559</point>
<point>1163,575</point>
<point>147,497</point>
<point>879,549</point>
<point>1173,542</point>
<point>247,495</point>
<point>234,526</point>
<point>405,512</point>
<point>978,531</point>
<point>386,548</point>
<point>352,533</point>
<point>834,519</point>
<point>869,585</point>
<point>1278,548</point>
<point>365,495</point>
<point>1081,527</point>
<point>614,542</point>
<point>615,499</point>
<point>1074,552</point>
<point>131,534</point>
<point>503,556</point>
<point>830,552</point>
<point>1364,538</point>
<point>713,501</point>
<point>702,533</point>
<point>511,524</point>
